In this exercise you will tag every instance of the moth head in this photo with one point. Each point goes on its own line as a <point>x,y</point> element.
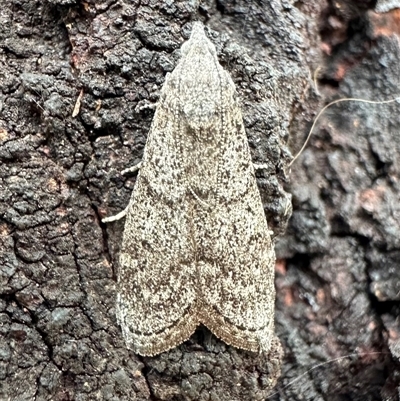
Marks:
<point>199,80</point>
<point>198,43</point>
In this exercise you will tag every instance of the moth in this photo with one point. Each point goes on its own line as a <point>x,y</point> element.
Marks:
<point>196,247</point>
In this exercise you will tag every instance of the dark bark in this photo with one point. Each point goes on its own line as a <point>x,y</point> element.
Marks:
<point>338,279</point>
<point>340,282</point>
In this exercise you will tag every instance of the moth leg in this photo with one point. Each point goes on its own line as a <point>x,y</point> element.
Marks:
<point>123,213</point>
<point>132,169</point>
<point>118,216</point>
<point>260,166</point>
<point>288,206</point>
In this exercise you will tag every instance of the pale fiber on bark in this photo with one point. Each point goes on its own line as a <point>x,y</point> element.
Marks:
<point>196,246</point>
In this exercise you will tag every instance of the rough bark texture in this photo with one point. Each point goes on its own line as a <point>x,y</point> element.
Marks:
<point>338,288</point>
<point>339,285</point>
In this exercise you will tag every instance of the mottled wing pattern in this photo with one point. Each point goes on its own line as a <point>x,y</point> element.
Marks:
<point>156,292</point>
<point>238,260</point>
<point>235,258</point>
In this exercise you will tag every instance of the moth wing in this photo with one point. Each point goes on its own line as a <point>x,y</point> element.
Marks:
<point>238,277</point>
<point>155,290</point>
<point>238,259</point>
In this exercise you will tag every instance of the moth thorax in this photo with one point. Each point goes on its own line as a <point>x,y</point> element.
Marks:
<point>201,115</point>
